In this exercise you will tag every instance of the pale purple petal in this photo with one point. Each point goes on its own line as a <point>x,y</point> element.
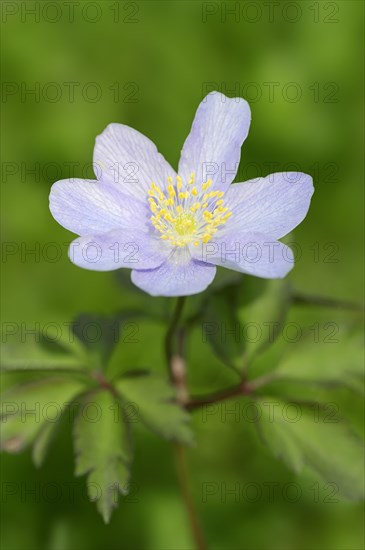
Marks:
<point>175,279</point>
<point>119,248</point>
<point>213,147</point>
<point>252,253</point>
<point>88,207</point>
<point>273,205</point>
<point>129,160</point>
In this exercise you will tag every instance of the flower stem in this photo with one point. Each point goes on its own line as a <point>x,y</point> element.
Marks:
<point>183,473</point>
<point>239,390</point>
<point>171,332</point>
<point>176,364</point>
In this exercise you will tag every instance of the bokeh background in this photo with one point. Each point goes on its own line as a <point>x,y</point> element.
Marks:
<point>148,64</point>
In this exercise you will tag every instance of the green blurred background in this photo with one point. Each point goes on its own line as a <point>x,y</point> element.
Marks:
<point>148,64</point>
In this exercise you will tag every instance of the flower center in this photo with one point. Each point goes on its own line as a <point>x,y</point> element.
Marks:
<point>185,213</point>
<point>185,224</point>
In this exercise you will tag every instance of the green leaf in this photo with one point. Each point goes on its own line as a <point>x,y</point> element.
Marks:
<point>328,363</point>
<point>262,314</point>
<point>32,410</point>
<point>305,441</point>
<point>43,442</point>
<point>221,327</point>
<point>123,277</point>
<point>100,334</point>
<point>102,446</point>
<point>223,279</point>
<point>244,318</point>
<point>153,397</point>
<point>143,352</point>
<point>33,356</point>
<point>57,342</point>
<point>251,288</point>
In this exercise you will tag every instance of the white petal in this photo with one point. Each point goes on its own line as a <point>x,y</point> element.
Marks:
<point>213,147</point>
<point>178,276</point>
<point>89,207</point>
<point>273,205</point>
<point>130,160</point>
<point>119,248</point>
<point>251,253</point>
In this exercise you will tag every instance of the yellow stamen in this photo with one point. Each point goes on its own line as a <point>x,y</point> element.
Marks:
<point>186,222</point>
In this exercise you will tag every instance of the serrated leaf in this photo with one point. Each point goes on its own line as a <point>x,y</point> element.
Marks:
<point>100,334</point>
<point>30,408</point>
<point>339,363</point>
<point>221,327</point>
<point>223,279</point>
<point>33,356</point>
<point>262,314</point>
<point>62,343</point>
<point>42,443</point>
<point>123,277</point>
<point>102,447</point>
<point>251,288</point>
<point>329,450</point>
<point>154,399</point>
